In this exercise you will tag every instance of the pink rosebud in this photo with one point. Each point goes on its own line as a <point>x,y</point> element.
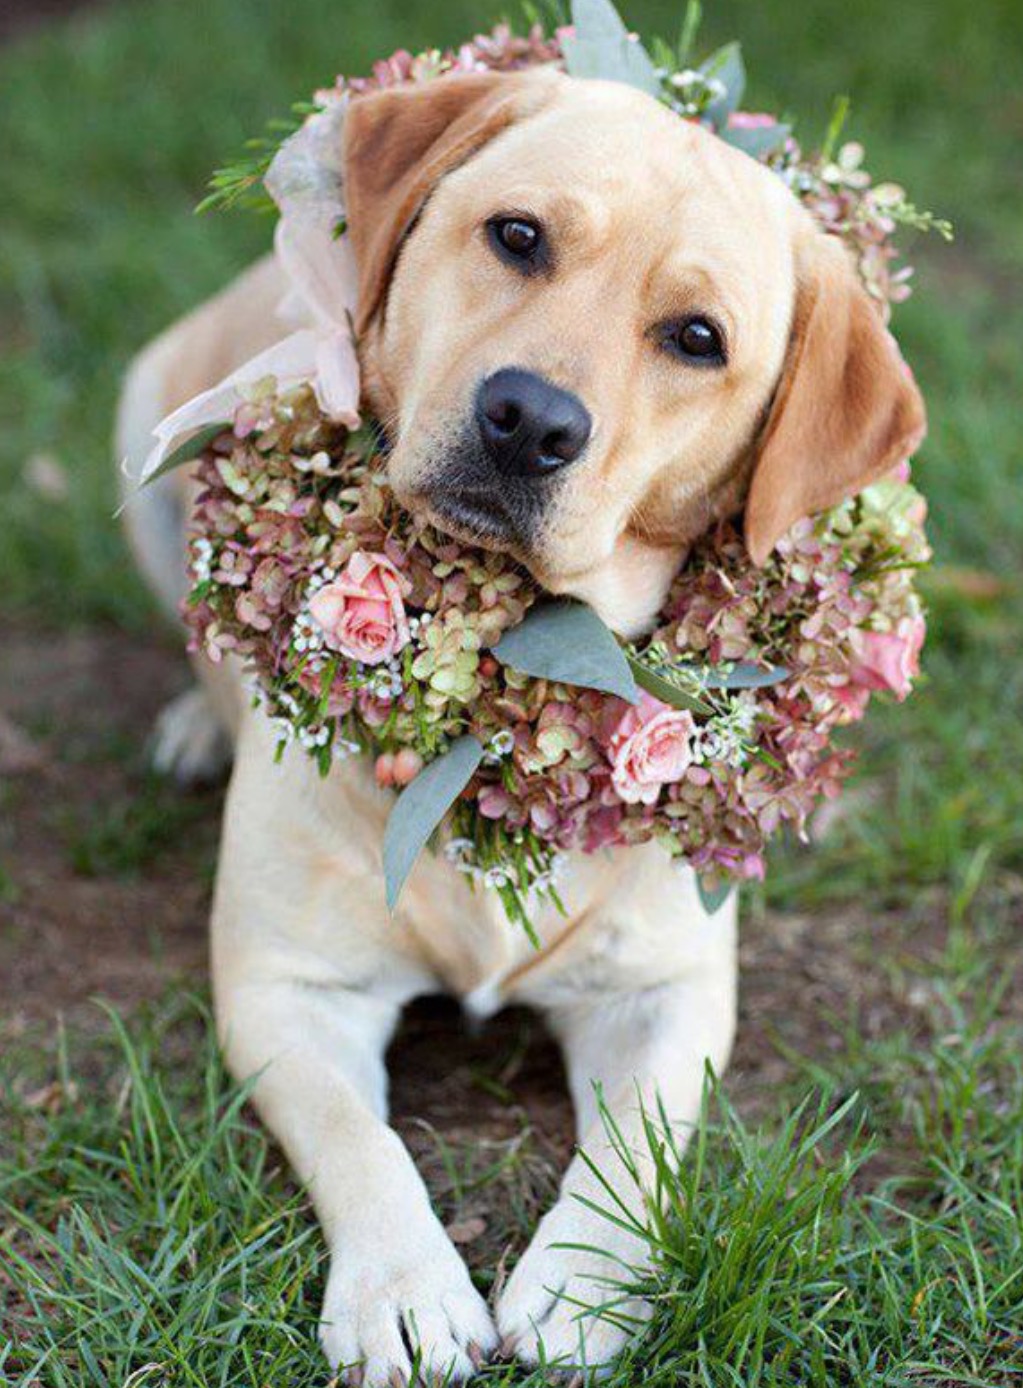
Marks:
<point>362,612</point>
<point>384,769</point>
<point>889,659</point>
<point>651,747</point>
<point>407,766</point>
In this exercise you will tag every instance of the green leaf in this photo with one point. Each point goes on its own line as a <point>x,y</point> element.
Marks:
<point>420,808</point>
<point>743,675</point>
<point>662,55</point>
<point>188,451</point>
<point>650,679</point>
<point>602,47</point>
<point>712,898</point>
<point>757,143</point>
<point>691,21</point>
<point>725,66</point>
<point>566,641</point>
<point>839,116</point>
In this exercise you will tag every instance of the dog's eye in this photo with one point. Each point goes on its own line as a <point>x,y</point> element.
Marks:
<point>695,340</point>
<point>518,241</point>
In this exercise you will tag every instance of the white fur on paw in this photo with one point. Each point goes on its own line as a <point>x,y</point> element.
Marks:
<point>189,741</point>
<point>545,1313</point>
<point>389,1309</point>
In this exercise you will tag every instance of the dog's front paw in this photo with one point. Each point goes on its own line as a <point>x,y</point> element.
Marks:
<point>402,1316</point>
<point>567,1306</point>
<point>189,742</point>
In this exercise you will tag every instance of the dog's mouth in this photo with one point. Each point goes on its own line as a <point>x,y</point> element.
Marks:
<point>458,491</point>
<point>472,517</point>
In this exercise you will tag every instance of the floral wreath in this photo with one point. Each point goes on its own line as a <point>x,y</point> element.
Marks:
<point>519,727</point>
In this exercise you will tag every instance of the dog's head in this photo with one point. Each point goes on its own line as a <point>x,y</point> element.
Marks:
<point>591,328</point>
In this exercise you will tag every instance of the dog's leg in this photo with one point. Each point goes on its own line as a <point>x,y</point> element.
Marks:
<point>642,1048</point>
<point>396,1282</point>
<point>310,975</point>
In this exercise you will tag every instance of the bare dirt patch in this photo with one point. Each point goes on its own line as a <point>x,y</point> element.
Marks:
<point>100,897</point>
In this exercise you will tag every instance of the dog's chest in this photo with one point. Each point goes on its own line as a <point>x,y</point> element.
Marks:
<point>626,923</point>
<point>462,933</point>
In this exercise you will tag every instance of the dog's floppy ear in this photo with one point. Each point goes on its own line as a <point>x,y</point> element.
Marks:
<point>400,142</point>
<point>847,409</point>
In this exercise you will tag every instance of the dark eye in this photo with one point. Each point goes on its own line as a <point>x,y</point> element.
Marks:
<point>519,242</point>
<point>695,340</point>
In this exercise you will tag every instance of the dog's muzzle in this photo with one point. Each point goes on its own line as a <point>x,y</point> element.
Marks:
<point>498,483</point>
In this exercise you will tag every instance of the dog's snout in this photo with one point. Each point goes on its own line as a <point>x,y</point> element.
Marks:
<point>530,427</point>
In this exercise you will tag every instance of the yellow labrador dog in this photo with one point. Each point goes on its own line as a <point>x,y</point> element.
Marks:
<point>589,329</point>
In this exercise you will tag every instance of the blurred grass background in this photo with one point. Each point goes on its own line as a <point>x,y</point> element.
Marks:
<point>111,122</point>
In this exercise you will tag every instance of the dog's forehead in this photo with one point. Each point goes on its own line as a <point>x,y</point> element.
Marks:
<point>621,157</point>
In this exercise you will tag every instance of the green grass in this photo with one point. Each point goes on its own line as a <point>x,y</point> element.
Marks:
<point>149,1234</point>
<point>147,1229</point>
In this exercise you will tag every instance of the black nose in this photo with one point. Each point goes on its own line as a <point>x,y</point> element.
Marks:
<point>528,426</point>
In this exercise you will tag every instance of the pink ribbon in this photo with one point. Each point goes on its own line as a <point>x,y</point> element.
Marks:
<point>305,180</point>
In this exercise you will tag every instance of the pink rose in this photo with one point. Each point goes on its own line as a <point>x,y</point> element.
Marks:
<point>649,748</point>
<point>889,659</point>
<point>361,613</point>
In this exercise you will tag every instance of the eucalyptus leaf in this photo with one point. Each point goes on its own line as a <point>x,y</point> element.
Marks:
<point>602,47</point>
<point>712,898</point>
<point>743,675</point>
<point>759,142</point>
<point>420,808</point>
<point>566,641</point>
<point>725,66</point>
<point>188,451</point>
<point>665,689</point>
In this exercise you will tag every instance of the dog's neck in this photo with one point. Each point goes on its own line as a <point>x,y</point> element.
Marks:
<point>628,590</point>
